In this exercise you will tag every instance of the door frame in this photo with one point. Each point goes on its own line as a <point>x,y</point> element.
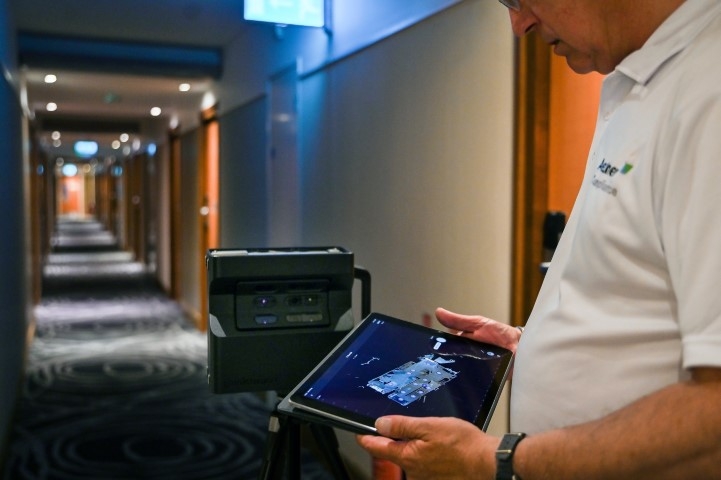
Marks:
<point>209,195</point>
<point>531,172</point>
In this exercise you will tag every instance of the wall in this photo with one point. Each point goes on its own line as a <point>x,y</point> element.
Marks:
<point>242,199</point>
<point>189,242</point>
<point>406,159</point>
<point>264,50</point>
<point>14,306</point>
<point>163,217</point>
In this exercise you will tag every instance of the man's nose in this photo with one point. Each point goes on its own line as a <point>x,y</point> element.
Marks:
<point>522,21</point>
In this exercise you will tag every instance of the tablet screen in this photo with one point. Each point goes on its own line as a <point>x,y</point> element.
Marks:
<point>389,366</point>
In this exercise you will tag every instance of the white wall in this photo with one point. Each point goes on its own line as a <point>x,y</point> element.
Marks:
<point>251,59</point>
<point>163,212</point>
<point>406,159</point>
<point>407,162</point>
<point>189,242</point>
<point>242,186</point>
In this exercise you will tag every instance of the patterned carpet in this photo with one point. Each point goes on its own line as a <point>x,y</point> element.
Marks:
<point>116,382</point>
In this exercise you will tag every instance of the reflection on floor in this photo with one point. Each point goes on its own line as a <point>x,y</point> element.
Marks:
<point>116,381</point>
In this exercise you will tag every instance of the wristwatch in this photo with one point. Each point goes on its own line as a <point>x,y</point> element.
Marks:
<point>504,456</point>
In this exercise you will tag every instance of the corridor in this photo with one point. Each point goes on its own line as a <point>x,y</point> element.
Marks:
<point>116,380</point>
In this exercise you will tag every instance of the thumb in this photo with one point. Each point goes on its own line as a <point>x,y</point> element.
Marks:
<point>399,427</point>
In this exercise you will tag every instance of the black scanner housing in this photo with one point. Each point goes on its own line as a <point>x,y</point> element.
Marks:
<point>274,314</point>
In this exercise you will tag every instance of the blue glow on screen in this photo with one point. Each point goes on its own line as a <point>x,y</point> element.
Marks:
<point>309,13</point>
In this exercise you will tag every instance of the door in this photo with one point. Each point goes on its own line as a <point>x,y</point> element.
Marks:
<point>209,194</point>
<point>555,120</point>
<point>284,210</point>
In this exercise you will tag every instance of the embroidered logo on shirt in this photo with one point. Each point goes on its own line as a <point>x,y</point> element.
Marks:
<point>605,172</point>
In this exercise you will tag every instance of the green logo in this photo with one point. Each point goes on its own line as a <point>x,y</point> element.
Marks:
<point>626,168</point>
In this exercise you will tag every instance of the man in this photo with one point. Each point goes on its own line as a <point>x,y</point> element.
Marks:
<point>618,373</point>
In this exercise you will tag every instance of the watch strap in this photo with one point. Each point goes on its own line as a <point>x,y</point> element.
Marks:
<point>504,456</point>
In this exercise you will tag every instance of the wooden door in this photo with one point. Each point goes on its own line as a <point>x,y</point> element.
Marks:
<point>209,194</point>
<point>555,119</point>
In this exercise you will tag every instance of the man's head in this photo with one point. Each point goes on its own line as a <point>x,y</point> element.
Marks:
<point>593,35</point>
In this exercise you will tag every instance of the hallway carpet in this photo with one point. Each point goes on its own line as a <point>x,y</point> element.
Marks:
<point>116,381</point>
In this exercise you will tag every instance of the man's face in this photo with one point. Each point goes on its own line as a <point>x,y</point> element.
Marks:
<point>579,30</point>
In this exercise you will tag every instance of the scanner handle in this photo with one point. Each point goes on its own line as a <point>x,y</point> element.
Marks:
<point>364,276</point>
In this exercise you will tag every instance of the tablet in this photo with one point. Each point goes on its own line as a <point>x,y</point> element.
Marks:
<point>387,366</point>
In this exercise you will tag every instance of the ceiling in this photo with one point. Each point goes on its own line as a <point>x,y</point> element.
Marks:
<point>101,98</point>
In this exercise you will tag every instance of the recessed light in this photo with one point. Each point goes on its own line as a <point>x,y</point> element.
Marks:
<point>184,87</point>
<point>69,169</point>
<point>155,111</point>
<point>50,78</point>
<point>86,148</point>
<point>51,107</point>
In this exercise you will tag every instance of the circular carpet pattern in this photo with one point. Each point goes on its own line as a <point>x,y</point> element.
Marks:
<point>116,389</point>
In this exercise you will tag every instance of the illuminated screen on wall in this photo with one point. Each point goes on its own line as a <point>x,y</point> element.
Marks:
<point>308,13</point>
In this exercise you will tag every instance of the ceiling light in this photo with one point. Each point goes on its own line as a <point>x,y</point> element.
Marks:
<point>155,111</point>
<point>124,137</point>
<point>55,135</point>
<point>86,148</point>
<point>184,87</point>
<point>70,170</point>
<point>115,144</point>
<point>50,78</point>
<point>51,107</point>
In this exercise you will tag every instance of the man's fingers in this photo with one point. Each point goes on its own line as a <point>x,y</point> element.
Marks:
<point>383,448</point>
<point>455,321</point>
<point>377,446</point>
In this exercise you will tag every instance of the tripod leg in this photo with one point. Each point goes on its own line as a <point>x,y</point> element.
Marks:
<point>328,443</point>
<point>283,438</point>
<point>293,452</point>
<point>273,447</point>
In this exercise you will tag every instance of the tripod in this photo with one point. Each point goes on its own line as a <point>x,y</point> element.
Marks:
<point>284,430</point>
<point>284,437</point>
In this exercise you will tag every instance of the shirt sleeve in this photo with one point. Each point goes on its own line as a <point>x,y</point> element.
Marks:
<point>690,206</point>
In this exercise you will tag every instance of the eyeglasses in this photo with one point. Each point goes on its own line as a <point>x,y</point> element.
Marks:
<point>511,4</point>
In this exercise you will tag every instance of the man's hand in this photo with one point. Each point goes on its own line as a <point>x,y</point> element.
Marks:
<point>481,329</point>
<point>433,448</point>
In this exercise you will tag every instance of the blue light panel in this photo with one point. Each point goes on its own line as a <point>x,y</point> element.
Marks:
<point>308,13</point>
<point>86,148</point>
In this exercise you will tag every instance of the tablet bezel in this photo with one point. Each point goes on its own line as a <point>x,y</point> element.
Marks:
<point>296,404</point>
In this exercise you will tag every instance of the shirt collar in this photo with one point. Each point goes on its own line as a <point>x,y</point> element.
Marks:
<point>673,36</point>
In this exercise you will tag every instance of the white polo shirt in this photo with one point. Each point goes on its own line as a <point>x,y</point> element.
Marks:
<point>632,299</point>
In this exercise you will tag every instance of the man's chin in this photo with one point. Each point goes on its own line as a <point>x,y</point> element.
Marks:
<point>580,65</point>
